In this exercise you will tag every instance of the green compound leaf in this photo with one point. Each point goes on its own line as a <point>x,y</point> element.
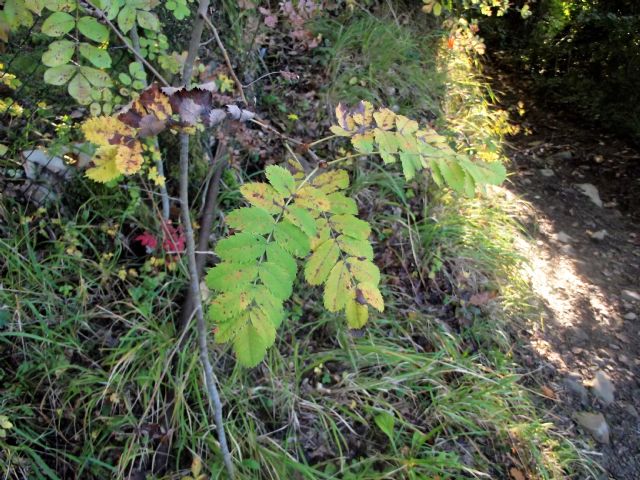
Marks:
<point>97,56</point>
<point>278,255</point>
<point>302,219</point>
<point>148,20</point>
<point>127,18</point>
<point>58,23</point>
<point>229,277</point>
<point>80,89</point>
<point>242,247</point>
<point>276,279</point>
<point>292,239</point>
<point>93,30</point>
<point>58,53</point>
<point>252,340</point>
<point>251,219</point>
<point>289,217</point>
<point>281,180</point>
<point>96,77</point>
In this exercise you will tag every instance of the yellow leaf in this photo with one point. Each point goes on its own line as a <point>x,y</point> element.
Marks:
<point>363,114</point>
<point>105,168</point>
<point>129,158</point>
<point>100,130</point>
<point>263,196</point>
<point>367,293</point>
<point>384,118</point>
<point>338,288</point>
<point>406,125</point>
<point>357,314</point>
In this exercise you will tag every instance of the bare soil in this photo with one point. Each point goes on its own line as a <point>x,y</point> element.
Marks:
<point>585,269</point>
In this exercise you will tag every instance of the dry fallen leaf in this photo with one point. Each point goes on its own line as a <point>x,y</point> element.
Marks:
<point>516,474</point>
<point>548,392</point>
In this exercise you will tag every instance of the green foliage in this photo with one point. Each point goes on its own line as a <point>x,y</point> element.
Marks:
<point>289,217</point>
<point>396,137</point>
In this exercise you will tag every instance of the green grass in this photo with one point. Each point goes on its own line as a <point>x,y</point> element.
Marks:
<point>376,60</point>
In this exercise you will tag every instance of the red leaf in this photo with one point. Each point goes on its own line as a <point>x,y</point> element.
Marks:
<point>147,240</point>
<point>173,238</point>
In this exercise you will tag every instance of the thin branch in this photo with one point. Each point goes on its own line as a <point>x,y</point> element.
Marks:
<point>226,56</point>
<point>164,195</point>
<point>194,278</point>
<point>102,16</point>
<point>194,285</point>
<point>194,44</point>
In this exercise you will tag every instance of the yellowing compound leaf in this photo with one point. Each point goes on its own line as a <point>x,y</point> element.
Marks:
<point>405,125</point>
<point>331,181</point>
<point>368,294</point>
<point>351,226</point>
<point>364,270</point>
<point>355,247</point>
<point>105,168</point>
<point>342,204</point>
<point>362,114</point>
<point>321,262</point>
<point>357,314</point>
<point>363,142</point>
<point>263,196</point>
<point>100,130</point>
<point>312,199</point>
<point>338,288</point>
<point>129,158</point>
<point>385,118</point>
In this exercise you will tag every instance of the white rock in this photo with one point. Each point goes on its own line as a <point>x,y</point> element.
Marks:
<point>630,296</point>
<point>595,424</point>
<point>599,235</point>
<point>603,387</point>
<point>563,237</point>
<point>547,172</point>
<point>630,316</point>
<point>590,191</point>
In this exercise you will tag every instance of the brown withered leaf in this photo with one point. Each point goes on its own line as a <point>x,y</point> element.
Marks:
<point>150,112</point>
<point>481,298</point>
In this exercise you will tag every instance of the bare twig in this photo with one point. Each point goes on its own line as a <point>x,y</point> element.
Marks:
<point>194,285</point>
<point>194,44</point>
<point>194,278</point>
<point>226,56</point>
<point>164,195</point>
<point>206,224</point>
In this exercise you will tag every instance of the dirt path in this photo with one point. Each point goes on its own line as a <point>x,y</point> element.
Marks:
<point>586,270</point>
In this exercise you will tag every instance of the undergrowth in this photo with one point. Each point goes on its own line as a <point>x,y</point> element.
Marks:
<point>90,363</point>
